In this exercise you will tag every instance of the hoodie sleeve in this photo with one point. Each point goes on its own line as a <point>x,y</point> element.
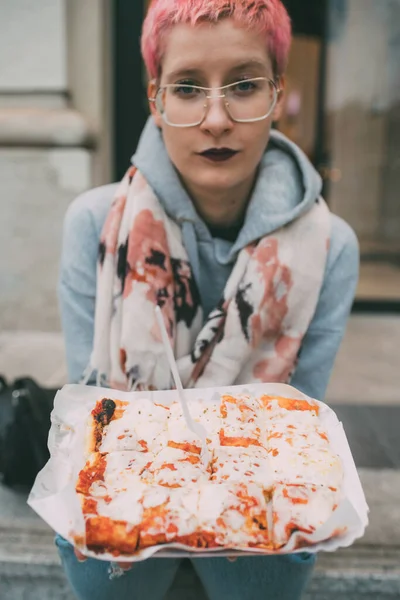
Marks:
<point>77,277</point>
<point>323,338</point>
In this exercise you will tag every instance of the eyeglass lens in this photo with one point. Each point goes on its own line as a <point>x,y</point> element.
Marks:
<point>185,104</point>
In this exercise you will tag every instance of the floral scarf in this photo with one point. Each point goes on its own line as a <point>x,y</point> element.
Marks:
<point>253,335</point>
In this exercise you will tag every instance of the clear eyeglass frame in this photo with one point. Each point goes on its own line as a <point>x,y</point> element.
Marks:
<point>223,92</point>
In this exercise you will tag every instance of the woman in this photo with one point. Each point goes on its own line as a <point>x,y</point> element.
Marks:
<point>220,222</point>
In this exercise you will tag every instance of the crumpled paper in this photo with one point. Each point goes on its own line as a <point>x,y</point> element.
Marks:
<point>54,499</point>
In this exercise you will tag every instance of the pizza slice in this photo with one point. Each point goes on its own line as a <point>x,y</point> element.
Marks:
<point>238,464</point>
<point>105,411</point>
<point>116,537</point>
<point>301,436</point>
<point>140,426</point>
<point>240,422</point>
<point>208,414</point>
<point>301,508</point>
<point>318,466</point>
<point>243,435</point>
<point>179,435</point>
<point>170,516</point>
<point>173,467</point>
<point>112,523</point>
<point>240,408</point>
<point>287,410</point>
<point>105,474</point>
<point>236,514</point>
<point>92,473</point>
<point>153,525</point>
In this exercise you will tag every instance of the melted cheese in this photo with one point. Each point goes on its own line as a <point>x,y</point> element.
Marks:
<point>151,473</point>
<point>302,508</point>
<point>142,427</point>
<point>155,496</point>
<point>296,466</point>
<point>124,506</point>
<point>122,471</point>
<point>303,436</point>
<point>276,410</point>
<point>236,464</point>
<point>182,512</point>
<point>174,467</point>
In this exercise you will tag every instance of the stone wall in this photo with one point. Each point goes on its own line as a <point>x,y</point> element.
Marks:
<point>36,187</point>
<point>49,145</point>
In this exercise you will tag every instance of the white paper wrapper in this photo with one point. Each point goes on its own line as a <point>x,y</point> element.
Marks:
<point>53,495</point>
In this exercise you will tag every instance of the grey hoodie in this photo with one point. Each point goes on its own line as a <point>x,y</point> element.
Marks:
<point>286,187</point>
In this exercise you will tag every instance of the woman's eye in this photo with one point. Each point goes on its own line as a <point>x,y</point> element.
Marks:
<point>245,86</point>
<point>185,89</point>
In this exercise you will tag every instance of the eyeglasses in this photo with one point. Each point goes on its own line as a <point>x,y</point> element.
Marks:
<point>246,101</point>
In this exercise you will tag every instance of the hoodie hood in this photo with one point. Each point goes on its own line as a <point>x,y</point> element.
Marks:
<point>286,187</point>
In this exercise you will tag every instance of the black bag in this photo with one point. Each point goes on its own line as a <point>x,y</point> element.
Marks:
<point>25,411</point>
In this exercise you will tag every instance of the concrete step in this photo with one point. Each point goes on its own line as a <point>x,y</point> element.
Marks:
<point>29,565</point>
<point>361,573</point>
<point>369,570</point>
<point>357,573</point>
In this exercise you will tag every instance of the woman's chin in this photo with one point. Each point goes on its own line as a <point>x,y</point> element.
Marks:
<point>216,182</point>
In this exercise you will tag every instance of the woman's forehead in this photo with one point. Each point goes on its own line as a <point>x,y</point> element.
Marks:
<point>208,47</point>
<point>229,67</point>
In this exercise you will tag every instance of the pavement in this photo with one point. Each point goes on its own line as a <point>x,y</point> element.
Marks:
<point>364,391</point>
<point>366,370</point>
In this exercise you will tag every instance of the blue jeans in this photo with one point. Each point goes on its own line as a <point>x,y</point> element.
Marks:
<point>255,578</point>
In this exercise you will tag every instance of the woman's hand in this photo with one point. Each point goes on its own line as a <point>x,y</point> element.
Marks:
<point>81,558</point>
<point>125,566</point>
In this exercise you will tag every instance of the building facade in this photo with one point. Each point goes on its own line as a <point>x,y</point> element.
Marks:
<point>72,105</point>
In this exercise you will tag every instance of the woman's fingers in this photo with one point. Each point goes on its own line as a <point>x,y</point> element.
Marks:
<point>125,566</point>
<point>81,557</point>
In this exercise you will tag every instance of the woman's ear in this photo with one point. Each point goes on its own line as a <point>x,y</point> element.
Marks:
<point>152,89</point>
<point>281,84</point>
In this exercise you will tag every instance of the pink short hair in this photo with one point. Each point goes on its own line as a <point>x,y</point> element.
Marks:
<point>267,17</point>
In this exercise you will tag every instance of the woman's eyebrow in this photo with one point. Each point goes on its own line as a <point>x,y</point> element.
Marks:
<point>184,73</point>
<point>249,64</point>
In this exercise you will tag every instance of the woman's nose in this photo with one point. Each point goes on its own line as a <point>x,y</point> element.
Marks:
<point>217,119</point>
